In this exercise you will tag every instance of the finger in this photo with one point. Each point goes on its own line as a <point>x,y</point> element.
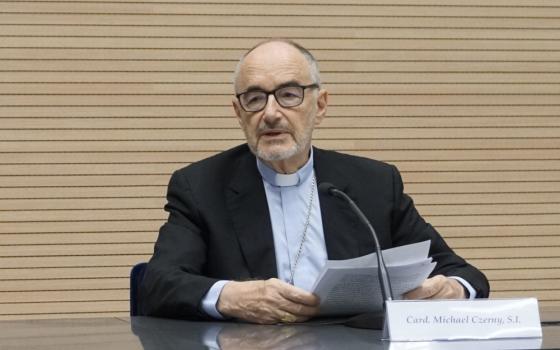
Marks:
<point>428,289</point>
<point>300,319</point>
<point>292,318</point>
<point>451,289</point>
<point>444,293</point>
<point>298,295</point>
<point>299,302</point>
<point>283,302</point>
<point>288,318</point>
<point>300,310</point>
<point>422,292</point>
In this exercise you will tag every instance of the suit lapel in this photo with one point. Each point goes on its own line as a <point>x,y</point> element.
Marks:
<point>246,201</point>
<point>344,235</point>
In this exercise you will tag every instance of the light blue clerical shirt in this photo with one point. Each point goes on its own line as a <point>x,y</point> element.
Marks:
<point>290,197</point>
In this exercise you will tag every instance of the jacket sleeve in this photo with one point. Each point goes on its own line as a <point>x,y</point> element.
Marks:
<point>174,284</point>
<point>409,227</point>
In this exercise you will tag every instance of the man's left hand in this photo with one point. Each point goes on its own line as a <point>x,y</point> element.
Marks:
<point>438,287</point>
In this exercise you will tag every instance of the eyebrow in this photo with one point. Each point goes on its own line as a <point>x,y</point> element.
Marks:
<point>259,88</point>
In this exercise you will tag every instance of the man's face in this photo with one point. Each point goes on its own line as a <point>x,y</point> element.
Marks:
<point>278,133</point>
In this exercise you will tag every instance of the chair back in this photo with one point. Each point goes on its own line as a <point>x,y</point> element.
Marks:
<point>136,277</point>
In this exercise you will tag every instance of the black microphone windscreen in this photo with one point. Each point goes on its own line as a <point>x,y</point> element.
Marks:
<point>326,187</point>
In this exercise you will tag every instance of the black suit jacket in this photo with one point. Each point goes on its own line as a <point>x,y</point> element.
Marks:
<point>219,227</point>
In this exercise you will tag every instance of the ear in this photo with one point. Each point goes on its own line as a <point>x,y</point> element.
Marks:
<point>237,109</point>
<point>322,102</point>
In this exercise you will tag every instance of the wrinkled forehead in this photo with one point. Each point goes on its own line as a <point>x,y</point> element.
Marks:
<point>271,65</point>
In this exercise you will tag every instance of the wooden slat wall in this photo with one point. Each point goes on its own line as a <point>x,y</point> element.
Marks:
<point>101,100</point>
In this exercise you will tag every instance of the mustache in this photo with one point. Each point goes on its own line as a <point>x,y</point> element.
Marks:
<point>263,129</point>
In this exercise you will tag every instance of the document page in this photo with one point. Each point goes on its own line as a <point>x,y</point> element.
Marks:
<point>348,287</point>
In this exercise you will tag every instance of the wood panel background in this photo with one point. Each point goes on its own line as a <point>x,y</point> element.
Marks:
<point>101,100</point>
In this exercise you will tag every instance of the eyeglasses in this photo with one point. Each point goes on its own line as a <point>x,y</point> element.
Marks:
<point>287,96</point>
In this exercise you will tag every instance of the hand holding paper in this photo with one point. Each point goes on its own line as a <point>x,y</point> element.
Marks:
<point>437,287</point>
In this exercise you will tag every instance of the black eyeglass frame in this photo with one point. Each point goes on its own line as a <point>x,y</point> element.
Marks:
<point>273,92</point>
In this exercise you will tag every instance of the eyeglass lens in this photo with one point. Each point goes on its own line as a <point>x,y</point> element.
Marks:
<point>288,96</point>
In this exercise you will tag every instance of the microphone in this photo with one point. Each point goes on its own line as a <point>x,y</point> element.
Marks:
<point>384,281</point>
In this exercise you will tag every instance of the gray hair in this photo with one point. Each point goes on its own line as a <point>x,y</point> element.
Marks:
<point>313,65</point>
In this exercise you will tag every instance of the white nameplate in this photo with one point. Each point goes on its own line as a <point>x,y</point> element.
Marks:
<point>426,320</point>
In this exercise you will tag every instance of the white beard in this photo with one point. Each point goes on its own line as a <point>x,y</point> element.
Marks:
<point>281,154</point>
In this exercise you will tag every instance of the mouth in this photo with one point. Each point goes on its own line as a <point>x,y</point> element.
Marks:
<point>273,133</point>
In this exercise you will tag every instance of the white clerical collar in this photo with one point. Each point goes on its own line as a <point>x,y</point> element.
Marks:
<point>283,180</point>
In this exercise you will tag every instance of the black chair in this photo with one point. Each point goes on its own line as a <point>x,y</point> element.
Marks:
<point>136,277</point>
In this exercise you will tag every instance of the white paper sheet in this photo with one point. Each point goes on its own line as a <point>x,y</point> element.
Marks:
<point>348,287</point>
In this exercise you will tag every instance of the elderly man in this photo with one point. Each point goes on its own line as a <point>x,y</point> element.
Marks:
<point>248,232</point>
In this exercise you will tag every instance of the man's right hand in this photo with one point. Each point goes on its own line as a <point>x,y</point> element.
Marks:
<point>267,302</point>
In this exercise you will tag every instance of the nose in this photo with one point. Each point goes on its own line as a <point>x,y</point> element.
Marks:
<point>271,111</point>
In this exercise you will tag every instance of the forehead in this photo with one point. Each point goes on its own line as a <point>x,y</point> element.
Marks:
<point>272,64</point>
